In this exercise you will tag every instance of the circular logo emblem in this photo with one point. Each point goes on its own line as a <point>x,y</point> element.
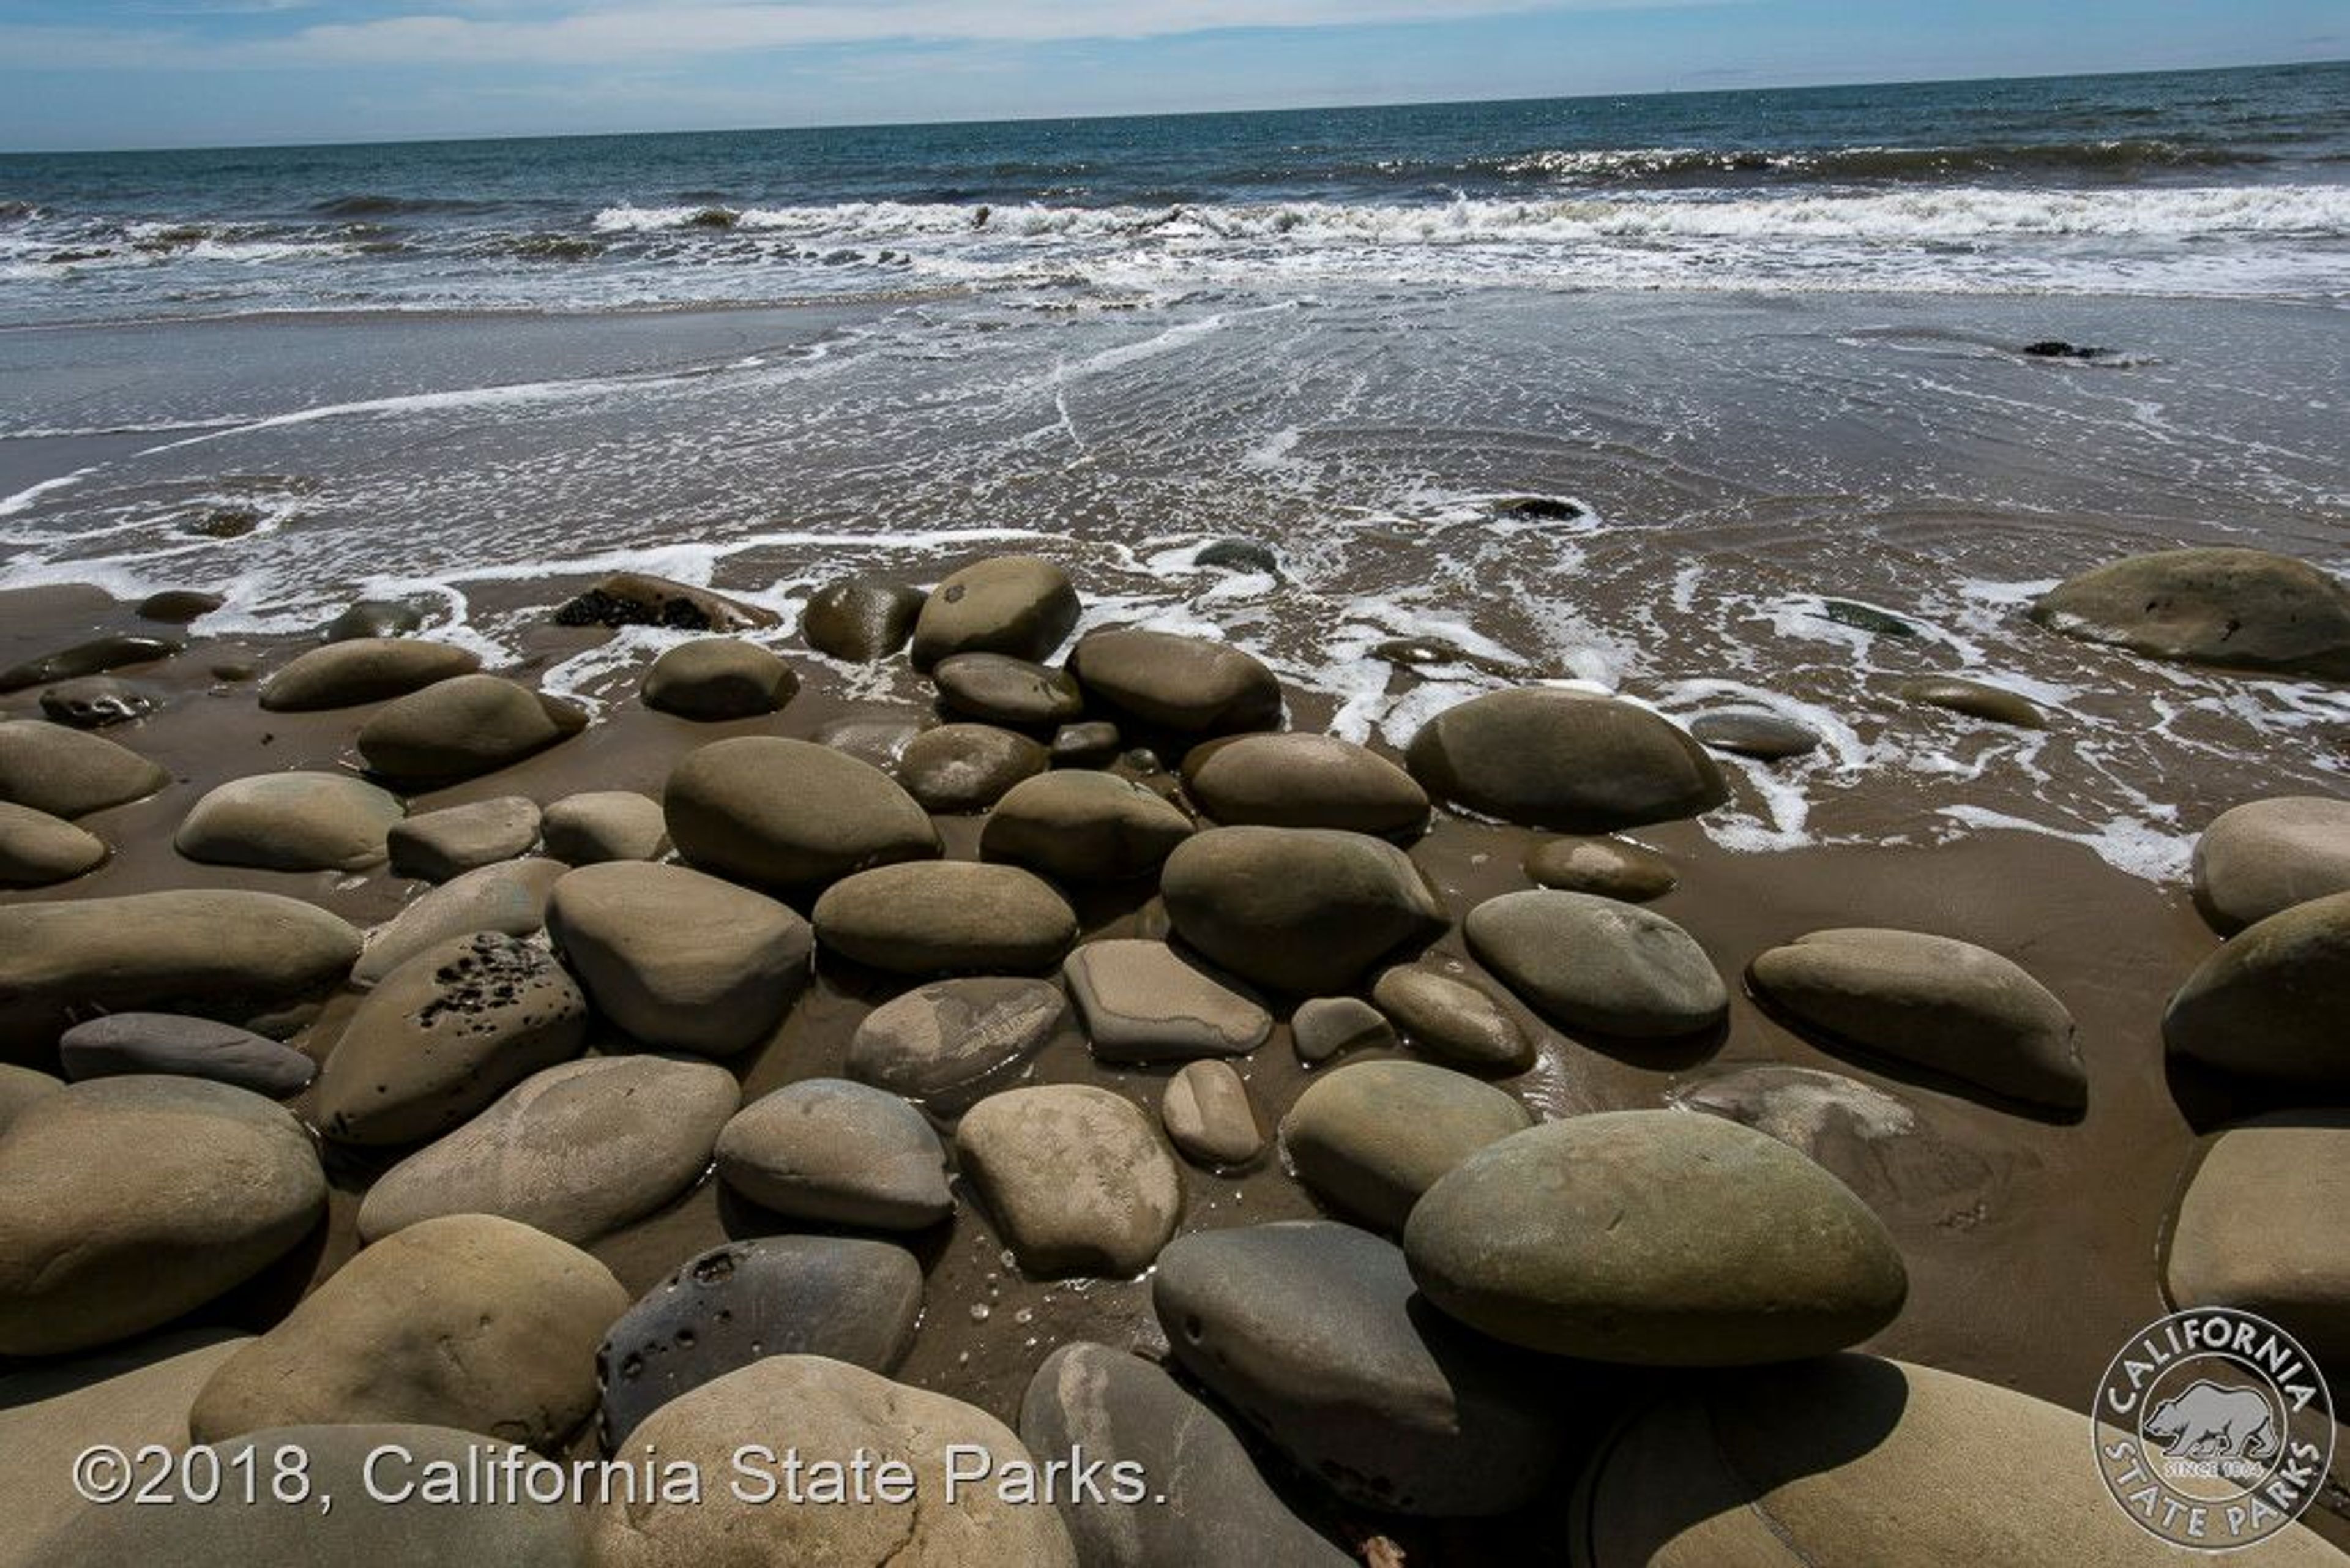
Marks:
<point>2213,1428</point>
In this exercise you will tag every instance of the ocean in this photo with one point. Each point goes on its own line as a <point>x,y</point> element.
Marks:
<point>1629,391</point>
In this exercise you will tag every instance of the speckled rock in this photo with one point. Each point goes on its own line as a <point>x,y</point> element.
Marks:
<point>66,773</point>
<point>1082,826</point>
<point>509,897</point>
<point>1325,1025</point>
<point>599,825</point>
<point>1552,758</point>
<point>456,729</point>
<point>841,1297</point>
<point>839,1153</point>
<point>719,678</point>
<point>1015,605</point>
<point>1607,867</point>
<point>943,916</point>
<point>1370,1137</point>
<point>860,619</point>
<point>2270,1004</point>
<point>1000,690</point>
<point>790,814</point>
<point>2266,856</point>
<point>439,845</point>
<point>124,1044</point>
<point>959,768</point>
<point>1454,1019</point>
<point>1189,685</point>
<point>1299,909</point>
<point>1074,1178</point>
<point>945,1043</point>
<point>1144,1002</point>
<point>1303,781</point>
<point>1588,962</point>
<point>38,849</point>
<point>1208,1116</point>
<point>348,672</point>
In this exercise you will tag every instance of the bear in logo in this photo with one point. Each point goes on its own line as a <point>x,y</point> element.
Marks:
<point>2211,1422</point>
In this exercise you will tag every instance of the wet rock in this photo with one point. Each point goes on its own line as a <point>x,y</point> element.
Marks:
<point>127,1201</point>
<point>38,849</point>
<point>1541,508</point>
<point>2237,610</point>
<point>1304,910</point>
<point>841,1297</point>
<point>1327,1025</point>
<point>860,619</point>
<point>178,607</point>
<point>1939,1002</point>
<point>1303,781</point>
<point>467,1321</point>
<point>1453,1017</point>
<point>1767,737</point>
<point>1422,654</point>
<point>509,897</point>
<point>1208,1116</point>
<point>1864,617</point>
<point>1609,867</point>
<point>635,598</point>
<point>680,960</point>
<point>1370,1137</point>
<point>1550,758</point>
<point>373,619</point>
<point>444,1034</point>
<point>2270,1004</point>
<point>961,768</point>
<point>456,839</point>
<point>94,701</point>
<point>1074,1178</point>
<point>1587,962</point>
<point>839,1153</point>
<point>1092,744</point>
<point>719,678</point>
<point>291,822</point>
<point>1655,1238</point>
<point>578,1151</point>
<point>1015,605</point>
<point>1311,1332</point>
<point>1245,555</point>
<point>1001,690</point>
<point>2057,349</point>
<point>944,1043</point>
<point>1122,1410</point>
<point>459,728</point>
<point>2257,1228</point>
<point>124,1044</point>
<point>234,956</point>
<point>349,672</point>
<point>790,814</point>
<point>1143,1001</point>
<point>605,824</point>
<point>837,1412</point>
<point>1185,684</point>
<point>65,773</point>
<point>943,917</point>
<point>2267,855</point>
<point>1083,827</point>
<point>1974,699</point>
<point>93,658</point>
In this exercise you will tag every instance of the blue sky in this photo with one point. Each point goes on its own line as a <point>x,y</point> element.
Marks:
<point>148,73</point>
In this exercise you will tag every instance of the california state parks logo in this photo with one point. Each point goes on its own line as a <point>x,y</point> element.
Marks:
<point>2213,1428</point>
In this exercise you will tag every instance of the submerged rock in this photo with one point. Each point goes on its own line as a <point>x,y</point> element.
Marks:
<point>637,598</point>
<point>2239,609</point>
<point>1974,699</point>
<point>373,617</point>
<point>1767,737</point>
<point>1545,757</point>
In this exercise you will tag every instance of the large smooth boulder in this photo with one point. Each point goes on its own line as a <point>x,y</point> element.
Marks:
<point>1189,685</point>
<point>38,849</point>
<point>1303,781</point>
<point>1082,826</point>
<point>837,1413</point>
<point>509,896</point>
<point>292,821</point>
<point>1121,1409</point>
<point>444,1034</point>
<point>127,1201</point>
<point>1939,1002</point>
<point>2266,856</point>
<point>1587,962</point>
<point>719,678</point>
<point>19,1087</point>
<point>439,845</point>
<point>680,960</point>
<point>1313,1332</point>
<point>2258,1228</point>
<point>839,1153</point>
<point>1075,1177</point>
<point>945,1043</point>
<point>790,814</point>
<point>120,1044</point>
<point>1369,1138</point>
<point>363,670</point>
<point>234,956</point>
<point>939,917</point>
<point>67,773</point>
<point>639,598</point>
<point>1453,1018</point>
<point>1144,1002</point>
<point>962,768</point>
<point>1832,1463</point>
<point>591,828</point>
<point>1657,1238</point>
<point>457,729</point>
<point>1299,909</point>
<point>841,1297</point>
<point>577,1150</point>
<point>860,619</point>
<point>1546,757</point>
<point>2240,609</point>
<point>1000,690</point>
<point>1015,605</point>
<point>469,1321</point>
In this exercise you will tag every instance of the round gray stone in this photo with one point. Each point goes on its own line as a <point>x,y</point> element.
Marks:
<point>943,916</point>
<point>962,768</point>
<point>1082,826</point>
<point>37,850</point>
<point>1208,1116</point>
<point>1370,1137</point>
<point>509,896</point>
<point>122,1043</point>
<point>457,729</point>
<point>1001,690</point>
<point>1453,1017</point>
<point>790,814</point>
<point>1298,909</point>
<point>860,619</point>
<point>2241,609</point>
<point>943,1044</point>
<point>1975,699</point>
<point>52,768</point>
<point>2267,855</point>
<point>1189,685</point>
<point>1327,1025</point>
<point>1303,781</point>
<point>1765,736</point>
<point>2270,1004</point>
<point>292,821</point>
<point>439,845</point>
<point>1546,757</point>
<point>719,678</point>
<point>605,824</point>
<point>1074,1178</point>
<point>350,672</point>
<point>839,1153</point>
<point>1608,867</point>
<point>1015,605</point>
<point>1588,962</point>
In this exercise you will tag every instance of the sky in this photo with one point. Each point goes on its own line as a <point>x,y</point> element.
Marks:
<point>175,73</point>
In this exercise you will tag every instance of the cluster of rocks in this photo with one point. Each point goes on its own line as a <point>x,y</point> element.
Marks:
<point>546,1045</point>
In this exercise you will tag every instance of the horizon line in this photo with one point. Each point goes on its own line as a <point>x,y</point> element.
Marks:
<point>1165,114</point>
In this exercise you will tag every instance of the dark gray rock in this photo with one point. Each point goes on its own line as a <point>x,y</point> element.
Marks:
<point>1545,757</point>
<point>1304,910</point>
<point>1587,962</point>
<point>1001,690</point>
<point>1185,684</point>
<point>1303,781</point>
<point>95,656</point>
<point>1082,826</point>
<point>94,701</point>
<point>1975,699</point>
<point>860,619</point>
<point>1238,555</point>
<point>178,607</point>
<point>179,1046</point>
<point>1327,1025</point>
<point>372,618</point>
<point>637,598</point>
<point>1093,744</point>
<point>1765,736</point>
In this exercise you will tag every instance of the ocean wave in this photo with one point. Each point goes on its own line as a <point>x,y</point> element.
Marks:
<point>371,205</point>
<point>1679,165</point>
